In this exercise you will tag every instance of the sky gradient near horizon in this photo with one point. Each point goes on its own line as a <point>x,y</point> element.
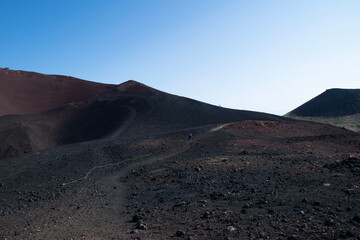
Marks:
<point>268,56</point>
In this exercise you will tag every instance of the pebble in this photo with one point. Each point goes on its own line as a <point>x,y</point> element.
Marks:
<point>134,231</point>
<point>203,202</point>
<point>206,215</point>
<point>356,218</point>
<point>349,234</point>
<point>231,228</point>
<point>304,200</point>
<point>180,233</point>
<point>349,191</point>
<point>247,205</point>
<point>136,218</point>
<point>142,226</point>
<point>329,222</point>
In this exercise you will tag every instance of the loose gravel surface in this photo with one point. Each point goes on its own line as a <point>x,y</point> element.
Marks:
<point>244,180</point>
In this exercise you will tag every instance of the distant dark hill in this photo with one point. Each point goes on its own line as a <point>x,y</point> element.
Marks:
<point>129,110</point>
<point>338,107</point>
<point>331,103</point>
<point>24,92</point>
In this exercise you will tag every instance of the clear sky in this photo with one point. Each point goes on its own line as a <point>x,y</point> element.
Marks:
<point>268,56</point>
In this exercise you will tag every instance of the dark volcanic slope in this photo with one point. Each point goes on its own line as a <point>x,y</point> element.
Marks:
<point>331,103</point>
<point>131,110</point>
<point>29,92</point>
<point>161,112</point>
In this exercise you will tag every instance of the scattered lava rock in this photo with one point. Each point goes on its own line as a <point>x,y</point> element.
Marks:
<point>274,198</point>
<point>329,222</point>
<point>141,225</point>
<point>230,228</point>
<point>356,218</point>
<point>180,233</point>
<point>351,164</point>
<point>136,218</point>
<point>349,234</point>
<point>206,215</point>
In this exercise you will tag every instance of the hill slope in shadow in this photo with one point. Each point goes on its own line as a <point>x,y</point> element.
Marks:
<point>128,110</point>
<point>338,107</point>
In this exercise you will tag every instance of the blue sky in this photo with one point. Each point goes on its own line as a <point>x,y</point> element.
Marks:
<point>268,56</point>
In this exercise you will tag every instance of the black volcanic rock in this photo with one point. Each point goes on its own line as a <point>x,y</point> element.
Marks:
<point>134,188</point>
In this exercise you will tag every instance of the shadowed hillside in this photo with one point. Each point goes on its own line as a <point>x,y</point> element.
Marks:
<point>129,110</point>
<point>338,107</point>
<point>331,103</point>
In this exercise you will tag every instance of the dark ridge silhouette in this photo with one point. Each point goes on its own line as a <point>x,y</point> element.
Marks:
<point>128,110</point>
<point>136,110</point>
<point>331,103</point>
<point>23,92</point>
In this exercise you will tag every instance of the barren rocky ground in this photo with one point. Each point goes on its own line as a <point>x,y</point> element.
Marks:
<point>117,164</point>
<point>245,180</point>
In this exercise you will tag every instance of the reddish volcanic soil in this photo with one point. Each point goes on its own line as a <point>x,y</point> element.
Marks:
<point>29,92</point>
<point>120,166</point>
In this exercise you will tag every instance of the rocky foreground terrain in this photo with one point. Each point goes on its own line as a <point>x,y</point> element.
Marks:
<point>244,180</point>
